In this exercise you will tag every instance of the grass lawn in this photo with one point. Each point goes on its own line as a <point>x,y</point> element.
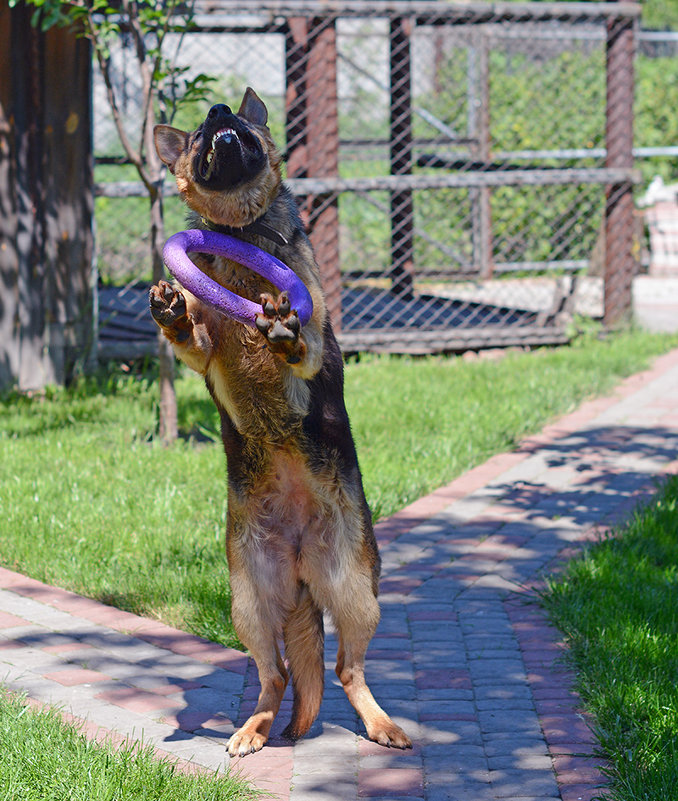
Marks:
<point>618,607</point>
<point>93,503</point>
<point>42,759</point>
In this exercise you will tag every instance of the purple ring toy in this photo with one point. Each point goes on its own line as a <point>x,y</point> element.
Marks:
<point>175,255</point>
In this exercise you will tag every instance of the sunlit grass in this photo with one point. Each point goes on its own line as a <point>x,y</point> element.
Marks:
<point>42,759</point>
<point>618,608</point>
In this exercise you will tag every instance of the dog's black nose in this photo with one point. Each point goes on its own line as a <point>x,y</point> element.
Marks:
<point>220,110</point>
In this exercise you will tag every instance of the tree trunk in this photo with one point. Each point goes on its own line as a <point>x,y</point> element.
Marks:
<point>167,427</point>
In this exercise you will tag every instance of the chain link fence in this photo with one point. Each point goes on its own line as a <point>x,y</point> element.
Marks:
<point>465,171</point>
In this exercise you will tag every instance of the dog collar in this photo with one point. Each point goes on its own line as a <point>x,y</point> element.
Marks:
<point>258,227</point>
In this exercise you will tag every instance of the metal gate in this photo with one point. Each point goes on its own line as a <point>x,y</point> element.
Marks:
<point>465,171</point>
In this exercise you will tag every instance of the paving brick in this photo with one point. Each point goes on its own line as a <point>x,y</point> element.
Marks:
<point>490,644</point>
<point>444,694</point>
<point>577,769</point>
<point>451,732</point>
<point>512,721</point>
<point>9,644</point>
<point>311,765</point>
<point>8,620</point>
<point>428,613</point>
<point>68,647</point>
<point>161,686</point>
<point>190,720</point>
<point>446,709</point>
<point>392,758</point>
<point>463,760</point>
<point>328,739</point>
<point>320,788</point>
<point>513,690</point>
<point>198,751</point>
<point>135,700</point>
<point>459,679</point>
<point>531,783</point>
<point>496,669</point>
<point>566,729</point>
<point>518,746</point>
<point>450,786</point>
<point>72,676</point>
<point>394,689</point>
<point>515,762</point>
<point>29,634</point>
<point>582,792</point>
<point>403,782</point>
<point>448,651</point>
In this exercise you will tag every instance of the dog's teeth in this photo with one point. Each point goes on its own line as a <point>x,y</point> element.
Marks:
<point>227,134</point>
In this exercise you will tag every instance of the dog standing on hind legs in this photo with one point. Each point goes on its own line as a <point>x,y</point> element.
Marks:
<point>299,533</point>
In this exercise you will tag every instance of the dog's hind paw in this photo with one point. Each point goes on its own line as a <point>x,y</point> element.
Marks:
<point>280,325</point>
<point>243,743</point>
<point>385,732</point>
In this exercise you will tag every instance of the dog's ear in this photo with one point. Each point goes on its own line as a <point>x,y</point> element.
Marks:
<point>252,108</point>
<point>170,143</point>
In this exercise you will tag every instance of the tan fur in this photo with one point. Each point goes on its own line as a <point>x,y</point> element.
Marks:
<point>299,535</point>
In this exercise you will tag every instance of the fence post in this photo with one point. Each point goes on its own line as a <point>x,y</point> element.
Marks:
<point>313,140</point>
<point>620,260</point>
<point>402,207</point>
<point>479,130</point>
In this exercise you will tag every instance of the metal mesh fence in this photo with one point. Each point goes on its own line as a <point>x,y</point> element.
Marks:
<point>656,135</point>
<point>450,161</point>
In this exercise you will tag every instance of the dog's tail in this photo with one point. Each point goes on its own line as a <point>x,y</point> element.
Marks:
<point>304,650</point>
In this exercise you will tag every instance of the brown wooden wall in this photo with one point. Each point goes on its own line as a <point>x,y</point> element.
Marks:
<point>46,203</point>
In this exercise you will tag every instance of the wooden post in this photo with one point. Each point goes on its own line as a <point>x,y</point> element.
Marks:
<point>620,260</point>
<point>46,202</point>
<point>313,140</point>
<point>402,206</point>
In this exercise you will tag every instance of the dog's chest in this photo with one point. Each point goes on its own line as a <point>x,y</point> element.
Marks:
<point>240,279</point>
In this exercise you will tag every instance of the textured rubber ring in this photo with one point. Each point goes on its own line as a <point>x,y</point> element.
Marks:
<point>175,255</point>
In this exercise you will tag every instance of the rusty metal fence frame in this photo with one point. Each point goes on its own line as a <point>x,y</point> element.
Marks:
<point>309,29</point>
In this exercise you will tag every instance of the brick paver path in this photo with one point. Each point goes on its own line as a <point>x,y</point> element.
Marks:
<point>463,659</point>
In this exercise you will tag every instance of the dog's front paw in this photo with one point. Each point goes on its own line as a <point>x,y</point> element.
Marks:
<point>168,307</point>
<point>280,325</point>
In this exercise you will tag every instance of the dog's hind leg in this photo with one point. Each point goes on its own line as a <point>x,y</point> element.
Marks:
<point>356,618</point>
<point>254,623</point>
<point>254,733</point>
<point>304,651</point>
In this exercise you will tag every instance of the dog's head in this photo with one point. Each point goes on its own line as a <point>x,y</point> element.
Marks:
<point>228,169</point>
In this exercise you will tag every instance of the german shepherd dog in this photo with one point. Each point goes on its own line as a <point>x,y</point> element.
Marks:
<point>299,535</point>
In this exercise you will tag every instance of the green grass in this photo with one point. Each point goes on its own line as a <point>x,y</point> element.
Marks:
<point>618,608</point>
<point>92,502</point>
<point>42,759</point>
